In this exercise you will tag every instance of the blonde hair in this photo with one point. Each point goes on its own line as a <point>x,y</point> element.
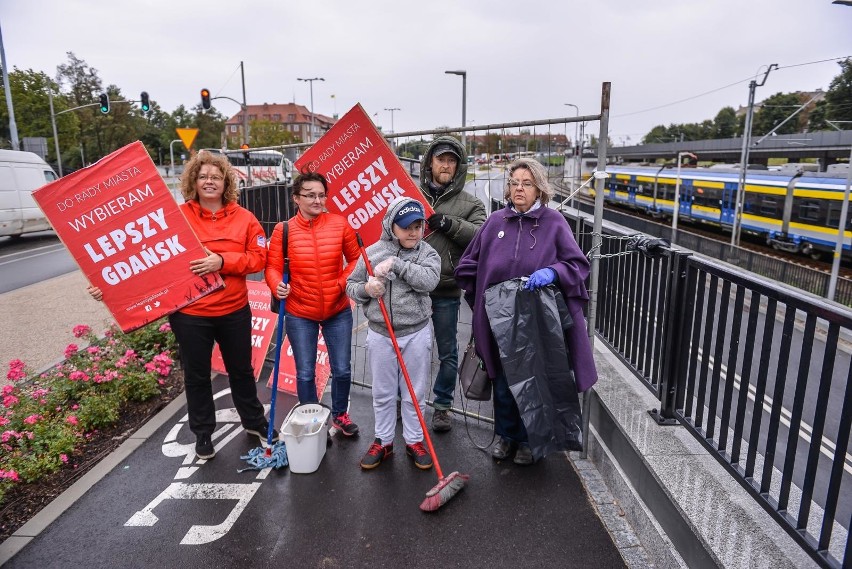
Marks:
<point>193,167</point>
<point>539,174</point>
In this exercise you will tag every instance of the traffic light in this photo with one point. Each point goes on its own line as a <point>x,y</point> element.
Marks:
<point>104,100</point>
<point>205,99</point>
<point>146,104</point>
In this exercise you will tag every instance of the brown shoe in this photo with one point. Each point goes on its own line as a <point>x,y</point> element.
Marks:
<point>441,421</point>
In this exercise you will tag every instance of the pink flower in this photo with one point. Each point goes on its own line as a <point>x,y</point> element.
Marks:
<point>165,327</point>
<point>63,458</point>
<point>78,376</point>
<point>8,390</point>
<point>32,419</point>
<point>9,475</point>
<point>81,330</point>
<point>16,370</point>
<point>9,435</point>
<point>10,401</point>
<point>3,421</point>
<point>93,349</point>
<point>72,420</point>
<point>70,350</point>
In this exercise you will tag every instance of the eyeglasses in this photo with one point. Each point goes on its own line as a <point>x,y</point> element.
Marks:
<point>527,185</point>
<point>313,197</point>
<point>212,178</point>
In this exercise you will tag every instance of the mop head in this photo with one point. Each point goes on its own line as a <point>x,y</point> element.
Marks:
<point>444,491</point>
<point>269,457</point>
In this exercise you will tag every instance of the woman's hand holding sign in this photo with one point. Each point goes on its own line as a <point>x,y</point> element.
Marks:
<point>210,264</point>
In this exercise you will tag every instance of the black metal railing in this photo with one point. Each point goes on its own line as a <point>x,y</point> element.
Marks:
<point>806,278</point>
<point>759,374</point>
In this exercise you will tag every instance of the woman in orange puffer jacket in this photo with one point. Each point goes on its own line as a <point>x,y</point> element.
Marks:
<point>317,244</point>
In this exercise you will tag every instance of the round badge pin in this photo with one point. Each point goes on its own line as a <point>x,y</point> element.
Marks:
<point>500,235</point>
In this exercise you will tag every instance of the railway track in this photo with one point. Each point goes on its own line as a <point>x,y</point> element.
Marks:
<point>747,241</point>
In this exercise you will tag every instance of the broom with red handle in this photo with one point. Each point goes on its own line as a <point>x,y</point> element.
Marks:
<point>450,485</point>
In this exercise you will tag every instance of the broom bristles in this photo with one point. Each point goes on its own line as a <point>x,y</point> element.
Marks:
<point>444,491</point>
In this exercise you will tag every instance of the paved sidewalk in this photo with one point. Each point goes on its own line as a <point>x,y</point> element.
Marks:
<point>37,320</point>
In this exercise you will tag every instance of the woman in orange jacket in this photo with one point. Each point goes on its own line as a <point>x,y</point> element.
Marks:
<point>317,244</point>
<point>235,246</point>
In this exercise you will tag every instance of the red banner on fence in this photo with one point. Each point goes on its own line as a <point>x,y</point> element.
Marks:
<point>263,322</point>
<point>127,234</point>
<point>363,173</point>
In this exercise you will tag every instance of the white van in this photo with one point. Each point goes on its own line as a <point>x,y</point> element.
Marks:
<point>20,174</point>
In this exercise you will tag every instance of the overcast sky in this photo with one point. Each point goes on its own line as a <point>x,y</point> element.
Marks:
<point>524,60</point>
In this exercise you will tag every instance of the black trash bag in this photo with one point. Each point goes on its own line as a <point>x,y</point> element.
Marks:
<point>529,329</point>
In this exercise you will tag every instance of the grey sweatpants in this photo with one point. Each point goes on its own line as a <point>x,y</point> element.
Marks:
<point>388,381</point>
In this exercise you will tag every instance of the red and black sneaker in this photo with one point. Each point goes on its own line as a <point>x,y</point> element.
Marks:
<point>376,454</point>
<point>421,456</point>
<point>345,425</point>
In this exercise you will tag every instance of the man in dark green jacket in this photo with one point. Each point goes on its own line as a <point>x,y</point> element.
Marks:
<point>457,216</point>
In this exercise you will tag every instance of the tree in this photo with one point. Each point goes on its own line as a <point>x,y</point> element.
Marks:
<point>725,123</point>
<point>32,111</point>
<point>773,111</point>
<point>817,117</point>
<point>839,95</point>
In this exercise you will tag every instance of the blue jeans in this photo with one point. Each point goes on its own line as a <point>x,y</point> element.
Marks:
<point>445,319</point>
<point>507,418</point>
<point>337,332</point>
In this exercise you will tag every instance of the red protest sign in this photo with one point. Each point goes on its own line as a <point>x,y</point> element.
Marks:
<point>263,322</point>
<point>128,236</point>
<point>363,173</point>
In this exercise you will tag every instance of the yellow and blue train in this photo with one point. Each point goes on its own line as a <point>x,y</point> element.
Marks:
<point>794,211</point>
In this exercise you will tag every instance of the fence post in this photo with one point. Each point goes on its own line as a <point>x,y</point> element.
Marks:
<point>674,340</point>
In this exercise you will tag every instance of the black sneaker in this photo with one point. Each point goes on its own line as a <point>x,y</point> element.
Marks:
<point>204,446</point>
<point>261,432</point>
<point>441,421</point>
<point>345,425</point>
<point>524,456</point>
<point>376,454</point>
<point>418,452</point>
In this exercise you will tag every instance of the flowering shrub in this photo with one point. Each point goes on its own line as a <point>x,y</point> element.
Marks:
<point>43,418</point>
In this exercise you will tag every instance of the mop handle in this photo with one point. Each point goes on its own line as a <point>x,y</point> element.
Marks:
<point>279,338</point>
<point>401,363</point>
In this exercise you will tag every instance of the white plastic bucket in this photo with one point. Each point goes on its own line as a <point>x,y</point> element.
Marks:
<point>304,432</point>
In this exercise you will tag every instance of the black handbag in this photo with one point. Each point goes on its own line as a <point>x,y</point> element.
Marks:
<point>275,305</point>
<point>475,383</point>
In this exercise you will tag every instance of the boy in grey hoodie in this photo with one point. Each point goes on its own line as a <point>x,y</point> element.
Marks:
<point>406,270</point>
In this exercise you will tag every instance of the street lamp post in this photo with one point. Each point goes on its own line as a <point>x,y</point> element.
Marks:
<point>464,104</point>
<point>311,82</point>
<point>391,112</point>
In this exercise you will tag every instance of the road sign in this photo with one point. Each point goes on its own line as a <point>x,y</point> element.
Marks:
<point>187,136</point>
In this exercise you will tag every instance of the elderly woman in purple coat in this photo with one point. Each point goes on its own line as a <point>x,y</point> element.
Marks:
<point>525,239</point>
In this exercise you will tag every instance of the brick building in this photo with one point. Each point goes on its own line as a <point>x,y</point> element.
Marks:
<point>294,118</point>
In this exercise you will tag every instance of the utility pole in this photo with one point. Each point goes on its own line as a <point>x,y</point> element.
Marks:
<point>245,113</point>
<point>55,135</point>
<point>740,197</point>
<point>463,75</point>
<point>13,126</point>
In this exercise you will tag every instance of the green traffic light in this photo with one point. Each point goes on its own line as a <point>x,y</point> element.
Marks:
<point>104,101</point>
<point>146,105</point>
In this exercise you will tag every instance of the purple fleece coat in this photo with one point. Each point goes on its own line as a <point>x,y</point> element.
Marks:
<point>511,245</point>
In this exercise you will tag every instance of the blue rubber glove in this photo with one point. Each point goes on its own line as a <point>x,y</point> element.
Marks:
<point>540,278</point>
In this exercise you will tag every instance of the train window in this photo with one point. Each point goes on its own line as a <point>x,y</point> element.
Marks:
<point>752,203</point>
<point>769,206</point>
<point>834,216</point>
<point>809,210</point>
